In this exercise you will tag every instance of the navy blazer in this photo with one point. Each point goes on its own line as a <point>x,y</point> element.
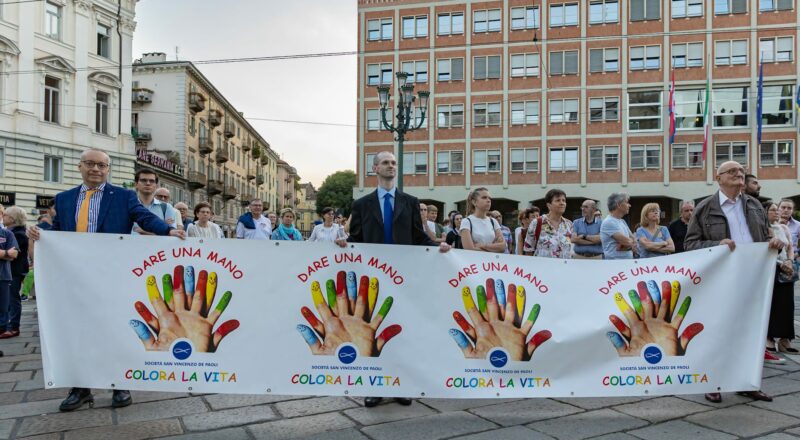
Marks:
<point>366,223</point>
<point>119,209</point>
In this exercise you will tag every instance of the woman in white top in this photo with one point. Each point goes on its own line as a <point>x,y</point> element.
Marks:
<point>204,227</point>
<point>327,230</point>
<point>478,231</point>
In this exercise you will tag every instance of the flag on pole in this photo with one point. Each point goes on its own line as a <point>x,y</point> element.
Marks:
<point>760,101</point>
<point>672,127</point>
<point>706,117</point>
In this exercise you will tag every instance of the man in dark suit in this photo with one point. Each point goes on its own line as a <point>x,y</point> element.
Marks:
<point>387,216</point>
<point>99,207</point>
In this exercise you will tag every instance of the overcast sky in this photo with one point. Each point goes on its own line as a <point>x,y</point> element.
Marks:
<point>311,89</point>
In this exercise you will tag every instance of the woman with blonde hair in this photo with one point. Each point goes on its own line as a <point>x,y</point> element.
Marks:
<point>204,227</point>
<point>286,229</point>
<point>653,239</point>
<point>478,231</point>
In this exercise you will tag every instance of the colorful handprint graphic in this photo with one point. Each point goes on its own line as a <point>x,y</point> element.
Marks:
<point>348,316</point>
<point>497,322</point>
<point>183,312</point>
<point>652,320</point>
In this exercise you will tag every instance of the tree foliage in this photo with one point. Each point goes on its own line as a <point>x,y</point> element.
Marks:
<point>337,192</point>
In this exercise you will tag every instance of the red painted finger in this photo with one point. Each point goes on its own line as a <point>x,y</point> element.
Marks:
<point>465,326</point>
<point>386,335</point>
<point>688,334</point>
<point>341,283</point>
<point>148,317</point>
<point>537,340</point>
<point>362,301</point>
<point>313,321</point>
<point>666,299</point>
<point>199,297</point>
<point>491,300</point>
<point>621,327</point>
<point>511,304</point>
<point>178,294</point>
<point>177,278</point>
<point>223,330</point>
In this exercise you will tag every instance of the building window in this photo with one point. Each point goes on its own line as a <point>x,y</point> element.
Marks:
<point>103,41</point>
<point>524,160</point>
<point>417,71</point>
<point>526,112</point>
<point>774,5</point>
<point>2,162</point>
<point>52,20</point>
<point>563,110</point>
<point>192,126</point>
<point>415,27</point>
<point>604,109</point>
<point>775,153</point>
<point>524,64</point>
<point>52,97</point>
<point>603,11</point>
<point>415,163</point>
<point>687,55</point>
<point>416,118</point>
<point>101,113</point>
<point>645,57</point>
<point>373,119</point>
<point>731,151</point>
<point>645,10</point>
<point>486,114</point>
<point>777,49</point>
<point>378,74</point>
<point>730,7</point>
<point>644,111</point>
<point>687,155</point>
<point>486,21</point>
<point>564,63</point>
<point>488,67</point>
<point>448,116</point>
<point>450,69</point>
<point>729,52</point>
<point>730,107</point>
<point>525,18</point>
<point>689,108</point>
<point>451,23</point>
<point>564,15</point>
<point>645,157</point>
<point>563,159</point>
<point>604,60</point>
<point>450,162</point>
<point>486,161</point>
<point>776,107</point>
<point>687,8</point>
<point>52,169</point>
<point>603,158</point>
<point>379,29</point>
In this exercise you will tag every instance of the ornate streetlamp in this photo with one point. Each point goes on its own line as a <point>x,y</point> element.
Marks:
<point>405,107</point>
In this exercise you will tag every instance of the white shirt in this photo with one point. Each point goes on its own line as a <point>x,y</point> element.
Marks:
<point>518,240</point>
<point>321,233</point>
<point>262,231</point>
<point>212,230</point>
<point>482,229</point>
<point>737,223</point>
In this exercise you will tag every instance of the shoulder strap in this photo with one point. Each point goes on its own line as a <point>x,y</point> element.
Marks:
<point>163,211</point>
<point>537,232</point>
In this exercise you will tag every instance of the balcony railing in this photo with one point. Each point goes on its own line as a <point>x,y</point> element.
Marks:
<point>206,145</point>
<point>251,173</point>
<point>222,155</point>
<point>213,188</point>
<point>230,192</point>
<point>196,180</point>
<point>245,198</point>
<point>230,129</point>
<point>264,159</point>
<point>142,96</point>
<point>214,118</point>
<point>246,146</point>
<point>142,134</point>
<point>197,102</point>
<point>259,179</point>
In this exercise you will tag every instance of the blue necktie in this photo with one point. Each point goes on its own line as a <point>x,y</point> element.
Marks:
<point>388,215</point>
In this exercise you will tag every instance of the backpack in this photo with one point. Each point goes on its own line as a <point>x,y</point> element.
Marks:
<point>537,232</point>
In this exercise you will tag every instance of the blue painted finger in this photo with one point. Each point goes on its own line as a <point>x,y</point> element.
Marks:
<point>460,338</point>
<point>616,339</point>
<point>500,293</point>
<point>307,334</point>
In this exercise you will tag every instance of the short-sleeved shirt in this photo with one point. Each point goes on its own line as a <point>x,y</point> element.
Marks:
<point>580,227</point>
<point>553,242</point>
<point>262,231</point>
<point>794,229</point>
<point>164,211</point>
<point>482,229</point>
<point>661,235</point>
<point>507,237</point>
<point>677,230</point>
<point>7,242</point>
<point>610,226</point>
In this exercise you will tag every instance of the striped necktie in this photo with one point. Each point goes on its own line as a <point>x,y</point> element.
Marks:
<point>83,212</point>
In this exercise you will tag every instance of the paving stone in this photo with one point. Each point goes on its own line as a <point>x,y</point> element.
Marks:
<point>134,431</point>
<point>8,358</point>
<point>788,366</point>
<point>616,436</point>
<point>512,433</point>
<point>445,405</point>
<point>525,411</point>
<point>795,431</point>
<point>598,402</point>
<point>17,349</point>
<point>9,398</point>
<point>161,410</point>
<point>5,428</point>
<point>314,405</point>
<point>224,401</point>
<point>793,376</point>
<point>6,387</point>
<point>789,404</point>
<point>226,434</point>
<point>776,386</point>
<point>51,393</point>
<point>16,376</point>
<point>342,434</point>
<point>300,426</point>
<point>769,372</point>
<point>430,427</point>
<point>29,409</point>
<point>588,424</point>
<point>4,368</point>
<point>64,421</point>
<point>228,417</point>
<point>662,409</point>
<point>28,365</point>
<point>154,396</point>
<point>388,413</point>
<point>743,420</point>
<point>52,436</point>
<point>679,429</point>
<point>34,384</point>
<point>728,399</point>
<point>778,436</point>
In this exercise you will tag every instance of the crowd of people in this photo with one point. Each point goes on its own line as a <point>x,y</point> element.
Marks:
<point>733,215</point>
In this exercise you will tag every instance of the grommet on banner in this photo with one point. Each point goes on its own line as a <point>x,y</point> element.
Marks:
<point>121,237</point>
<point>427,249</point>
<point>49,384</point>
<point>112,385</point>
<point>422,394</point>
<point>572,393</point>
<point>497,257</point>
<point>646,391</point>
<point>498,394</point>
<point>190,388</point>
<point>346,392</point>
<point>352,246</point>
<point>201,240</point>
<point>277,243</point>
<point>269,390</point>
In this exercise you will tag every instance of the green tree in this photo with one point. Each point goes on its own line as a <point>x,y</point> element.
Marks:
<point>337,192</point>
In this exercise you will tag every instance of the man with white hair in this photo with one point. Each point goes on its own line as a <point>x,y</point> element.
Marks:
<point>678,228</point>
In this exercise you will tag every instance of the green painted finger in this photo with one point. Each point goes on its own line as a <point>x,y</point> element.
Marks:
<point>330,288</point>
<point>166,283</point>
<point>223,302</point>
<point>534,313</point>
<point>685,306</point>
<point>387,305</point>
<point>637,303</point>
<point>481,299</point>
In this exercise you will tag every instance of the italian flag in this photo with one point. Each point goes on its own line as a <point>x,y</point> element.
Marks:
<point>706,118</point>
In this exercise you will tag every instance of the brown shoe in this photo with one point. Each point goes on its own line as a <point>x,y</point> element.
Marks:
<point>756,395</point>
<point>714,397</point>
<point>9,334</point>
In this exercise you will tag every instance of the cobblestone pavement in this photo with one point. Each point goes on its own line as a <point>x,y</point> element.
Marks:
<point>28,411</point>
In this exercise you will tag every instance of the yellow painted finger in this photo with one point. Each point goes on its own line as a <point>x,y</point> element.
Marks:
<point>152,289</point>
<point>466,296</point>
<point>520,300</point>
<point>211,289</point>
<point>316,294</point>
<point>676,292</point>
<point>372,294</point>
<point>622,304</point>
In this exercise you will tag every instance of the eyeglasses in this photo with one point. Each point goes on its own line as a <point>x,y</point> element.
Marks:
<point>162,197</point>
<point>734,171</point>
<point>91,164</point>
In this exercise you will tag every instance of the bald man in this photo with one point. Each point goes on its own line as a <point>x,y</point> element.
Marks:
<point>729,217</point>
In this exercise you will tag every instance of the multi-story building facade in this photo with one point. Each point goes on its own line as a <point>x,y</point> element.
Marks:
<point>63,89</point>
<point>532,95</point>
<point>288,185</point>
<point>306,208</point>
<point>202,148</point>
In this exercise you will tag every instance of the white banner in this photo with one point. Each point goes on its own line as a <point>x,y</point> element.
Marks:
<point>236,316</point>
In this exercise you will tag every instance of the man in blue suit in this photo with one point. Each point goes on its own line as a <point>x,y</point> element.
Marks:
<point>99,207</point>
